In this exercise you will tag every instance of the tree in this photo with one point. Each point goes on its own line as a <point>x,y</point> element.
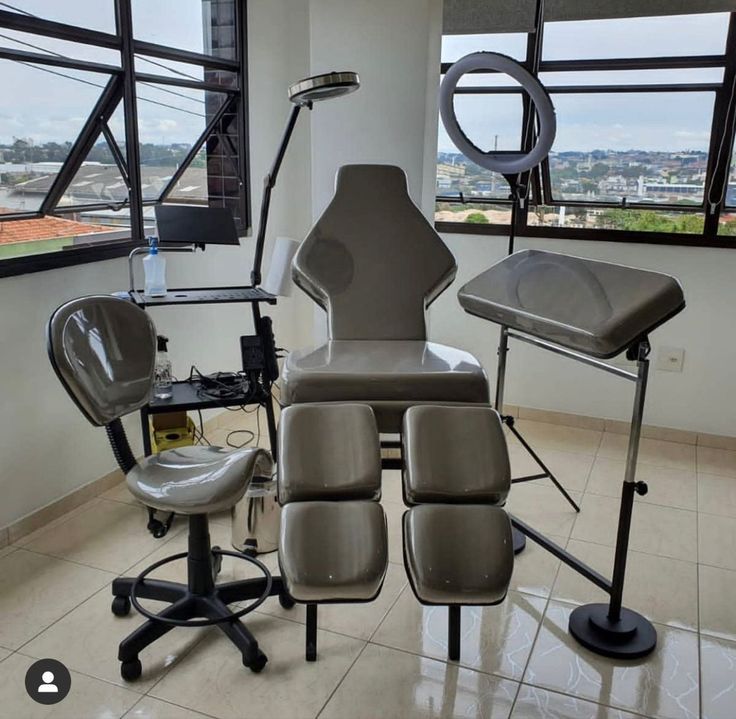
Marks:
<point>477,218</point>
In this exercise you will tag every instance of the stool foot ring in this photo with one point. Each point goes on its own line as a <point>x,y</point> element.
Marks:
<point>632,637</point>
<point>139,582</point>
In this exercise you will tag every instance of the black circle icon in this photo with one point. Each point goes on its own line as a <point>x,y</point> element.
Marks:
<point>48,681</point>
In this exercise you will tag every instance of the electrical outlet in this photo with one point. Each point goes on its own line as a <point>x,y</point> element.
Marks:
<point>670,359</point>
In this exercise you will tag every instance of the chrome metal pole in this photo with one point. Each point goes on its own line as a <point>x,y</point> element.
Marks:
<point>503,349</point>
<point>629,487</point>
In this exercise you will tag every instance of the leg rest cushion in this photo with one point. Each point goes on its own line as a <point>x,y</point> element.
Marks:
<point>455,454</point>
<point>333,551</point>
<point>328,452</point>
<point>458,554</point>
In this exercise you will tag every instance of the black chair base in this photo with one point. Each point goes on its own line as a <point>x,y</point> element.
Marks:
<point>199,599</point>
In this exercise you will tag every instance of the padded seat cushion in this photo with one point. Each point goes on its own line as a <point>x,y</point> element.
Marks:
<point>396,373</point>
<point>594,307</point>
<point>333,551</point>
<point>197,480</point>
<point>455,454</point>
<point>458,554</point>
<point>328,451</point>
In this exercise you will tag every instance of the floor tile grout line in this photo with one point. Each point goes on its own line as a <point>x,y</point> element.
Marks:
<point>388,611</point>
<point>56,621</point>
<point>342,679</point>
<point>444,660</point>
<point>586,699</point>
<point>539,627</point>
<point>697,593</point>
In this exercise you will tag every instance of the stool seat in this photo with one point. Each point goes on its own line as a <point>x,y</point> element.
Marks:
<point>390,375</point>
<point>455,455</point>
<point>333,551</point>
<point>196,480</point>
<point>458,554</point>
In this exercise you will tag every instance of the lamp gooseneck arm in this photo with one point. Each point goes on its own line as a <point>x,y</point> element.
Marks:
<point>269,181</point>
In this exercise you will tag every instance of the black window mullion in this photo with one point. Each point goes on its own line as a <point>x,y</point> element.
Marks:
<point>241,115</point>
<point>102,111</point>
<point>124,20</point>
<point>57,30</point>
<point>194,150</point>
<point>721,139</point>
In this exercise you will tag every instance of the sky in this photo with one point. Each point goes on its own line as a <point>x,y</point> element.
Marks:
<point>46,107</point>
<point>50,107</point>
<point>664,121</point>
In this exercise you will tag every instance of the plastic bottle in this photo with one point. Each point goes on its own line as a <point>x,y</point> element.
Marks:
<point>162,385</point>
<point>154,270</point>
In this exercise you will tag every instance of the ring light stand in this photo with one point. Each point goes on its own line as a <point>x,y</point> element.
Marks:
<point>511,165</point>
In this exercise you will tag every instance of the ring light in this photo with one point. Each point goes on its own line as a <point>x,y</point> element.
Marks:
<point>507,163</point>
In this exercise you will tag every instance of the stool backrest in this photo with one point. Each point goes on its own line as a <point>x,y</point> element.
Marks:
<point>103,350</point>
<point>372,260</point>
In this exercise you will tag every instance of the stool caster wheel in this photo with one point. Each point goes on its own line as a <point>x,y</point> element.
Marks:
<point>130,671</point>
<point>256,665</point>
<point>121,606</point>
<point>216,562</point>
<point>286,601</point>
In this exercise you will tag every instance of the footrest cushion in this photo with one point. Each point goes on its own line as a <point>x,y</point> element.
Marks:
<point>458,554</point>
<point>333,551</point>
<point>328,452</point>
<point>455,454</point>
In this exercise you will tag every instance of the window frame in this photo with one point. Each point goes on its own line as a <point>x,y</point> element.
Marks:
<point>718,167</point>
<point>121,87</point>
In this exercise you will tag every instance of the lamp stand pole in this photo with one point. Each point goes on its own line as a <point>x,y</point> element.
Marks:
<point>269,182</point>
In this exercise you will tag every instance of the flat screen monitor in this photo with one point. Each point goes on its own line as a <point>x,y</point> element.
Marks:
<point>189,224</point>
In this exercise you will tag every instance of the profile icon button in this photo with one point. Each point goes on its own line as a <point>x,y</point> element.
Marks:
<point>48,681</point>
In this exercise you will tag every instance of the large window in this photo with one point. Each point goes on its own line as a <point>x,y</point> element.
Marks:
<point>645,114</point>
<point>110,107</point>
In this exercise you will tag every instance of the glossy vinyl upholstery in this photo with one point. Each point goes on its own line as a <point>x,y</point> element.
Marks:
<point>374,263</point>
<point>328,452</point>
<point>372,260</point>
<point>455,455</point>
<point>197,480</point>
<point>103,350</point>
<point>333,551</point>
<point>458,554</point>
<point>389,375</point>
<point>597,308</point>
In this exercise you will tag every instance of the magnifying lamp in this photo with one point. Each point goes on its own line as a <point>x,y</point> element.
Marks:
<point>302,94</point>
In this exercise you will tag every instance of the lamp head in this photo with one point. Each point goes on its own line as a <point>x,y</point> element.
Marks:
<point>323,87</point>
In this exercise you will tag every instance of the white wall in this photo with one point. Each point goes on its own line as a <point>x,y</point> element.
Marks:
<point>46,448</point>
<point>392,45</point>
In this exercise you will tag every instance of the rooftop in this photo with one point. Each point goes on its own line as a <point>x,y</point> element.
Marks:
<point>43,228</point>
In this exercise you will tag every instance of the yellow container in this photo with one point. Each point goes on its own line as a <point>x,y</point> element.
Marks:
<point>172,437</point>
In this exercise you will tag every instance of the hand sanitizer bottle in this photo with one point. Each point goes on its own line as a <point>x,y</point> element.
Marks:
<point>162,386</point>
<point>154,270</point>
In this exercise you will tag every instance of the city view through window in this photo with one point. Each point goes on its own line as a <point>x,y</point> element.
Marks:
<point>636,151</point>
<point>47,107</point>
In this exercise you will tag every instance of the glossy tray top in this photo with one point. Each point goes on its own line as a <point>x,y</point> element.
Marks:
<point>597,308</point>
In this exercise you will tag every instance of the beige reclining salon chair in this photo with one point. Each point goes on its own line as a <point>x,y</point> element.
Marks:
<point>375,264</point>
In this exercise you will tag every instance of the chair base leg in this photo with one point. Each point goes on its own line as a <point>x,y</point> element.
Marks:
<point>200,597</point>
<point>311,643</point>
<point>453,633</point>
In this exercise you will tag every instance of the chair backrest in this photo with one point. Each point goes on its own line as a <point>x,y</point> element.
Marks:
<point>103,350</point>
<point>372,260</point>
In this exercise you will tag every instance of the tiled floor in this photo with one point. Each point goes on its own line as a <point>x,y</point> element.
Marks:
<point>387,659</point>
